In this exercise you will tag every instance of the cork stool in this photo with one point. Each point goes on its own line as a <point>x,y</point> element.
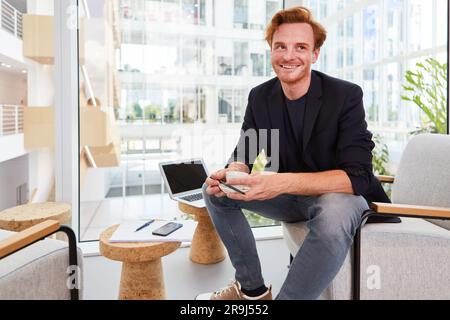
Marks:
<point>142,274</point>
<point>25,216</point>
<point>206,247</point>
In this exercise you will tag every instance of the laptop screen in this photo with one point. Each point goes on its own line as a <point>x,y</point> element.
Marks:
<point>184,177</point>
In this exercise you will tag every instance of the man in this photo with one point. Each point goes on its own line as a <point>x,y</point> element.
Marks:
<point>324,174</point>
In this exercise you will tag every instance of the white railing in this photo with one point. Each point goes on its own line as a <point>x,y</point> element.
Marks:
<point>10,19</point>
<point>11,120</point>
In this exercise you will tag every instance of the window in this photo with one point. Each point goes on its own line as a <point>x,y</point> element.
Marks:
<point>241,58</point>
<point>257,64</point>
<point>381,40</point>
<point>272,6</point>
<point>172,77</point>
<point>225,106</point>
<point>241,14</point>
<point>193,11</point>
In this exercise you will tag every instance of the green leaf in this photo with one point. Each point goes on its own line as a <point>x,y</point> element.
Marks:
<point>406,98</point>
<point>426,87</point>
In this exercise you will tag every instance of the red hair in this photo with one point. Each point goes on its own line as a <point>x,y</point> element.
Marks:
<point>296,15</point>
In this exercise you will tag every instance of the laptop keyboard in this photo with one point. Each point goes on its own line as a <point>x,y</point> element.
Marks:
<point>193,197</point>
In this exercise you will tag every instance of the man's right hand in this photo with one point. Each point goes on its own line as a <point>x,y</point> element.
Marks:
<point>213,180</point>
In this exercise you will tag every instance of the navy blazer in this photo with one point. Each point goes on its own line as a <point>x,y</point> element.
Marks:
<point>335,134</point>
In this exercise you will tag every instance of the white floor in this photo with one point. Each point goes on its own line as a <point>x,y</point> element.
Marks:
<point>183,278</point>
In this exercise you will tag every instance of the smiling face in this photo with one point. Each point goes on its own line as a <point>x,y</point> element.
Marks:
<point>293,53</point>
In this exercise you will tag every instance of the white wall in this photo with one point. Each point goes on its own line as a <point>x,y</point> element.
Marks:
<point>11,147</point>
<point>13,173</point>
<point>44,7</point>
<point>41,161</point>
<point>13,49</point>
<point>41,91</point>
<point>41,173</point>
<point>13,88</point>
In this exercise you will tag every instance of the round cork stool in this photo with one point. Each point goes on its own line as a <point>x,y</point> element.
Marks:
<point>25,216</point>
<point>206,246</point>
<point>142,274</point>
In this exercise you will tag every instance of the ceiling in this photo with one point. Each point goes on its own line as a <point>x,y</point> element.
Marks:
<point>20,5</point>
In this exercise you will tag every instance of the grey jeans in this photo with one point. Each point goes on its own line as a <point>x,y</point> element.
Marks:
<point>332,220</point>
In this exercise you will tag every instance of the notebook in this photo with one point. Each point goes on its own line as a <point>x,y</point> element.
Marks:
<point>126,232</point>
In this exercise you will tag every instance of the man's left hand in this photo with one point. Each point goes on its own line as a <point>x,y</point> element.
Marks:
<point>262,186</point>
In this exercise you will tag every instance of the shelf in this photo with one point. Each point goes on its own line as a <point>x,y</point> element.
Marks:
<point>38,33</point>
<point>95,127</point>
<point>84,165</point>
<point>104,157</point>
<point>38,127</point>
<point>38,38</point>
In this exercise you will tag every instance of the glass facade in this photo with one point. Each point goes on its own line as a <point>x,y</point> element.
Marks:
<point>373,44</point>
<point>176,75</point>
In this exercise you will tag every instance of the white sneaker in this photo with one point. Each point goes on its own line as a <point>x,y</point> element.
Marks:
<point>233,292</point>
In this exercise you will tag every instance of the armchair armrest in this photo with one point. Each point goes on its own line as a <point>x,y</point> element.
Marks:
<point>26,237</point>
<point>385,179</point>
<point>395,209</point>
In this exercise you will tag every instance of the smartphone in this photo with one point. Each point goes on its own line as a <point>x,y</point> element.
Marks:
<point>231,187</point>
<point>167,229</point>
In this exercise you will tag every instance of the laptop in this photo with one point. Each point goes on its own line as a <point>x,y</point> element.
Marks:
<point>184,180</point>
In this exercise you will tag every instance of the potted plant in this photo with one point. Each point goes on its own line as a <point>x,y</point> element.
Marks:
<point>380,156</point>
<point>426,87</point>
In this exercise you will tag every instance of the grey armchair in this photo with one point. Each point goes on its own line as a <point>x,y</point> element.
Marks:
<point>33,269</point>
<point>411,259</point>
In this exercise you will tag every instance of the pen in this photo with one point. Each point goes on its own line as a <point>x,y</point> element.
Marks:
<point>145,225</point>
